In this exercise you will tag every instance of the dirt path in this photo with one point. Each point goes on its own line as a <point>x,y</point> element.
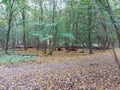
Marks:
<point>91,73</point>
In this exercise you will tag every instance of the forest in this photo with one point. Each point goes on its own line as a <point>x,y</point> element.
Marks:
<point>59,44</point>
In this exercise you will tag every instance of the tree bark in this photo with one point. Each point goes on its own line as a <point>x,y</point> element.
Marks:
<point>115,55</point>
<point>24,30</point>
<point>106,42</point>
<point>8,36</point>
<point>50,47</point>
<point>54,27</point>
<point>89,30</point>
<point>110,13</point>
<point>45,47</point>
<point>9,25</point>
<point>8,33</point>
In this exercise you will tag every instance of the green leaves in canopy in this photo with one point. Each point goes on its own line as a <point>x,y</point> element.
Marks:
<point>3,22</point>
<point>37,33</point>
<point>84,6</point>
<point>4,1</point>
<point>38,23</point>
<point>42,36</point>
<point>45,38</point>
<point>50,24</point>
<point>112,34</point>
<point>45,32</point>
<point>113,37</point>
<point>67,35</point>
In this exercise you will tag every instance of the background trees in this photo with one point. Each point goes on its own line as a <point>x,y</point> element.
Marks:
<point>54,23</point>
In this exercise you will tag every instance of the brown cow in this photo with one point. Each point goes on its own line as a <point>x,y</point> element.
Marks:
<point>71,48</point>
<point>59,49</point>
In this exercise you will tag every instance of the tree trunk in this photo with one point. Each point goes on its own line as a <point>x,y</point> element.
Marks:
<point>8,37</point>
<point>89,30</point>
<point>54,27</point>
<point>8,33</point>
<point>9,25</point>
<point>24,30</point>
<point>45,47</point>
<point>106,42</point>
<point>115,55</point>
<point>90,43</point>
<point>38,44</point>
<point>50,47</point>
<point>110,13</point>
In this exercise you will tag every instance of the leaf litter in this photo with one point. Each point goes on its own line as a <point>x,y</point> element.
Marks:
<point>62,71</point>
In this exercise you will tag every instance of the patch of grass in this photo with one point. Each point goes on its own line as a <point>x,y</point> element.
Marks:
<point>5,58</point>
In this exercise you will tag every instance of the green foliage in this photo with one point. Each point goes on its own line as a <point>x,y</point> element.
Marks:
<point>113,36</point>
<point>46,32</point>
<point>67,35</point>
<point>5,58</point>
<point>4,1</point>
<point>70,21</point>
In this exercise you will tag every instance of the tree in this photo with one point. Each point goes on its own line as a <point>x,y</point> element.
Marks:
<point>106,6</point>
<point>52,23</point>
<point>89,28</point>
<point>10,9</point>
<point>23,12</point>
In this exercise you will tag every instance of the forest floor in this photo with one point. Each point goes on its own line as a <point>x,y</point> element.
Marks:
<point>62,71</point>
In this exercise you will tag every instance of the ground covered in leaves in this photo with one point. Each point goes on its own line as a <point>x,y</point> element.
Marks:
<point>62,71</point>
